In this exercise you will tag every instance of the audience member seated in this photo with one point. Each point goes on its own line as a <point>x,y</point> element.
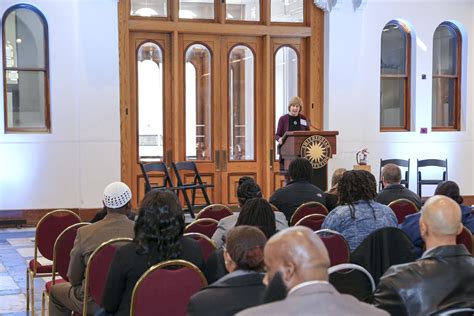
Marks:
<point>444,276</point>
<point>297,265</point>
<point>358,214</point>
<point>158,237</point>
<point>69,296</point>
<point>331,195</point>
<point>255,212</point>
<point>411,225</point>
<point>247,189</point>
<point>103,212</point>
<point>392,189</point>
<point>242,287</point>
<point>299,190</point>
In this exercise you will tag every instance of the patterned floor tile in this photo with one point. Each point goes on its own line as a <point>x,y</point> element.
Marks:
<point>26,252</point>
<point>21,242</point>
<point>7,283</point>
<point>12,303</point>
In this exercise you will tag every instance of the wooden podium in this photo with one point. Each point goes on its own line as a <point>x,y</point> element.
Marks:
<point>291,149</point>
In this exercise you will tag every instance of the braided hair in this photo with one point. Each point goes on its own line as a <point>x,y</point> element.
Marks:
<point>258,212</point>
<point>356,185</point>
<point>159,226</point>
<point>248,189</point>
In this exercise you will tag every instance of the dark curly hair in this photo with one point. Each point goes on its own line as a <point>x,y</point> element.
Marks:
<point>248,189</point>
<point>449,189</point>
<point>259,213</point>
<point>356,185</point>
<point>245,246</point>
<point>159,226</point>
<point>300,169</point>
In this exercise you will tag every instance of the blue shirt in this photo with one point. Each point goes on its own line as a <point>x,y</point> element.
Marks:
<point>355,230</point>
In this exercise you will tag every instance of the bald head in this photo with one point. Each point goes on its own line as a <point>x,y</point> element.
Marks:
<point>441,217</point>
<point>298,254</point>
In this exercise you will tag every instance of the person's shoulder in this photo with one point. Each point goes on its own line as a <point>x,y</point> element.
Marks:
<point>265,309</point>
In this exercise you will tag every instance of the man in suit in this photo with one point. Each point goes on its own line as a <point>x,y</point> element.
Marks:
<point>299,190</point>
<point>297,259</point>
<point>393,189</point>
<point>444,276</point>
<point>69,296</point>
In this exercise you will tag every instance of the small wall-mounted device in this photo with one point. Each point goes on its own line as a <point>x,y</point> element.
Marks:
<point>424,130</point>
<point>423,76</point>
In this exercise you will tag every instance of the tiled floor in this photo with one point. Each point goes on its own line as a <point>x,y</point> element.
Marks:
<point>16,249</point>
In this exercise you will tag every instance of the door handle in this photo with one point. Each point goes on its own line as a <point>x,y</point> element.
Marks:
<point>218,160</point>
<point>224,160</point>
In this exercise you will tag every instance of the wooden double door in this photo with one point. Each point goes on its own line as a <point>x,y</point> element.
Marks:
<point>209,99</point>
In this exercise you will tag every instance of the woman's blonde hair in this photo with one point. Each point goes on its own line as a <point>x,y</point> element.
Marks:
<point>336,176</point>
<point>296,101</point>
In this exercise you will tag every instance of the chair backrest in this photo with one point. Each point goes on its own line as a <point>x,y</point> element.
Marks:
<point>155,167</point>
<point>97,269</point>
<point>307,209</point>
<point>402,208</point>
<point>207,244</point>
<point>433,163</point>
<point>62,250</point>
<point>205,226</point>
<point>186,166</point>
<point>49,228</point>
<point>399,162</point>
<point>349,278</point>
<point>465,238</point>
<point>313,221</point>
<point>337,246</point>
<point>166,291</point>
<point>462,311</point>
<point>215,211</point>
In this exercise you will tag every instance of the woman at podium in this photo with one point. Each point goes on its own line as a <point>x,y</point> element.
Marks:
<point>293,121</point>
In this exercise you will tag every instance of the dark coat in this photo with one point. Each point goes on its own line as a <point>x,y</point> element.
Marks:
<point>229,296</point>
<point>442,279</point>
<point>394,192</point>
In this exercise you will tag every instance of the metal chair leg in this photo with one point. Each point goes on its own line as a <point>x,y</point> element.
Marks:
<point>27,290</point>
<point>43,299</point>
<point>32,280</point>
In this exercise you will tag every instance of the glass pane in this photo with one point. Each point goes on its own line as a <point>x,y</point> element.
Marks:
<point>198,103</point>
<point>150,102</point>
<point>196,9</point>
<point>286,81</point>
<point>392,102</point>
<point>393,50</point>
<point>287,11</point>
<point>152,8</point>
<point>243,10</point>
<point>443,102</point>
<point>241,102</point>
<point>445,42</point>
<point>25,42</point>
<point>25,99</point>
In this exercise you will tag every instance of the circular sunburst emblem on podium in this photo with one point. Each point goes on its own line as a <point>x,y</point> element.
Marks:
<point>317,150</point>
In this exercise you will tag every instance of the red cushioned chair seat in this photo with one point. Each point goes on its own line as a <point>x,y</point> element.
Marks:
<point>49,284</point>
<point>39,267</point>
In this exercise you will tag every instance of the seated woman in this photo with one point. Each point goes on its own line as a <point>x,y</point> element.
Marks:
<point>358,214</point>
<point>242,287</point>
<point>255,212</point>
<point>158,237</point>
<point>331,196</point>
<point>411,224</point>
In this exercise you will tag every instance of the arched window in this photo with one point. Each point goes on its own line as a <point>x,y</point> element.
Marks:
<point>446,105</point>
<point>395,77</point>
<point>25,70</point>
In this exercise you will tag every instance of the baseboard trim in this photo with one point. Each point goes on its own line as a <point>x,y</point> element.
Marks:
<point>32,216</point>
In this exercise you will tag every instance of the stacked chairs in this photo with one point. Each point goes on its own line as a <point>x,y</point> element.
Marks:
<point>48,229</point>
<point>97,269</point>
<point>402,208</point>
<point>337,246</point>
<point>465,238</point>
<point>215,211</point>
<point>307,209</point>
<point>352,279</point>
<point>207,244</point>
<point>312,221</point>
<point>61,258</point>
<point>154,167</point>
<point>165,289</point>
<point>205,226</point>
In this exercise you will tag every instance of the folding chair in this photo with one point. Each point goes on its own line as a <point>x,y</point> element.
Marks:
<point>402,208</point>
<point>215,211</point>
<point>196,184</point>
<point>207,244</point>
<point>97,270</point>
<point>313,221</point>
<point>430,163</point>
<point>400,163</point>
<point>349,278</point>
<point>336,244</point>
<point>465,238</point>
<point>205,226</point>
<point>307,209</point>
<point>156,167</point>
<point>165,289</point>
<point>61,258</point>
<point>48,229</point>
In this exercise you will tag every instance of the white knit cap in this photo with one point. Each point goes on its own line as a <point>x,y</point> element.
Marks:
<point>116,195</point>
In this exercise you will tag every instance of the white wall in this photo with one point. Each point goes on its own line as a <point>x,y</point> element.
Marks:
<point>352,87</point>
<point>70,166</point>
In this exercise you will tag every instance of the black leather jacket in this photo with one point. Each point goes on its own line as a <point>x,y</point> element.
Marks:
<point>442,278</point>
